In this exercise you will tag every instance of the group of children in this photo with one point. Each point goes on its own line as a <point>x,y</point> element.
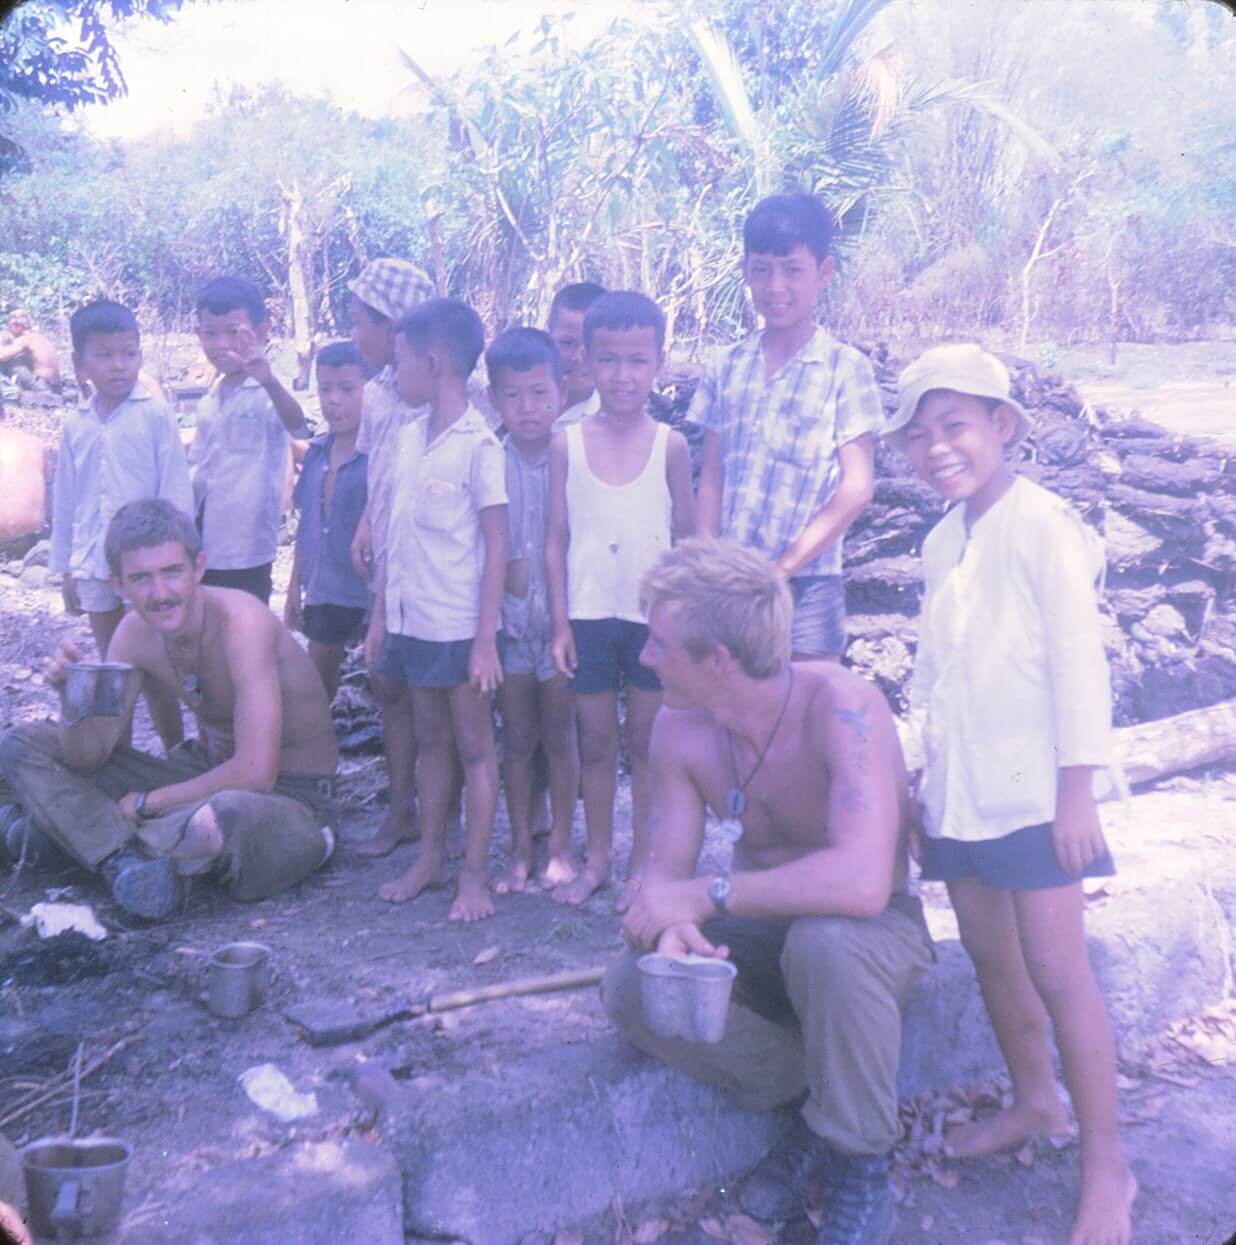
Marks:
<point>474,564</point>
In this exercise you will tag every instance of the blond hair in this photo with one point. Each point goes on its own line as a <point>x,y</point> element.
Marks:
<point>724,595</point>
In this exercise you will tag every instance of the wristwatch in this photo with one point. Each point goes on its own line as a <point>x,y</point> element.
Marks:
<point>719,892</point>
<point>139,807</point>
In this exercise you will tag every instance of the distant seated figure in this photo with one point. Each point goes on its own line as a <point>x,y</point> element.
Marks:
<point>30,358</point>
<point>250,801</point>
<point>23,481</point>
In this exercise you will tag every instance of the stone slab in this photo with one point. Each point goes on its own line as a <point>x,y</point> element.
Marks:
<point>333,1190</point>
<point>514,1152</point>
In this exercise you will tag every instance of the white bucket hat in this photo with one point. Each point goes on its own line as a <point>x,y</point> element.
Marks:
<point>963,368</point>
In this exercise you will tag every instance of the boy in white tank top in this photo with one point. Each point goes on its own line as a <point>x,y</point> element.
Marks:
<point>619,495</point>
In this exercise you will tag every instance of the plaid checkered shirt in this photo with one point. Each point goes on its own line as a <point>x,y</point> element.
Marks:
<point>780,437</point>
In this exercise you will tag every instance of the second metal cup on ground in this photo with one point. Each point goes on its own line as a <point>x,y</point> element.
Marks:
<point>236,978</point>
<point>686,997</point>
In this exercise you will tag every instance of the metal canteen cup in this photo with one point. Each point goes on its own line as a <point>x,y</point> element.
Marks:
<point>686,997</point>
<point>75,1188</point>
<point>236,981</point>
<point>106,689</point>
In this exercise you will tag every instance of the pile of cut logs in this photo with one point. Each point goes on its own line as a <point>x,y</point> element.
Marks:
<point>1165,504</point>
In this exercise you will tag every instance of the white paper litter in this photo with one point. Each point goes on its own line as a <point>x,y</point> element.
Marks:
<point>273,1092</point>
<point>50,919</point>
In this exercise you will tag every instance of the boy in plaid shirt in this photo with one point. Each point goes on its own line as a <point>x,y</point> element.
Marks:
<point>789,417</point>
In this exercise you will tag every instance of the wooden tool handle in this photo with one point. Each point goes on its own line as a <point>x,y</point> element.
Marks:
<point>521,985</point>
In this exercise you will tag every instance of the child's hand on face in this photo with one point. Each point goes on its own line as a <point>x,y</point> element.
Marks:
<point>1077,833</point>
<point>484,668</point>
<point>252,355</point>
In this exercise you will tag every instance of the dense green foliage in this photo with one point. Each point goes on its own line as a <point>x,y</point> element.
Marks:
<point>60,51</point>
<point>987,177</point>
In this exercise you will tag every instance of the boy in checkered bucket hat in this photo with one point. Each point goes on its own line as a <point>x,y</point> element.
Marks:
<point>1009,727</point>
<point>384,292</point>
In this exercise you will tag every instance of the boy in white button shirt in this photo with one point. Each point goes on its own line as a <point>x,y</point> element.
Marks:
<point>439,592</point>
<point>240,450</point>
<point>122,444</point>
<point>1010,719</point>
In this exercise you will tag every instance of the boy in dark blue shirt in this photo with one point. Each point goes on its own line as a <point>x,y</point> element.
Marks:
<point>327,599</point>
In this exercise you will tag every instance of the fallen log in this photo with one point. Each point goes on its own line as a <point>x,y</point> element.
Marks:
<point>1172,745</point>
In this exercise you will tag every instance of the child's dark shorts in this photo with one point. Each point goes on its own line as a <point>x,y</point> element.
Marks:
<point>607,655</point>
<point>333,624</point>
<point>257,581</point>
<point>1024,860</point>
<point>426,663</point>
<point>818,627</point>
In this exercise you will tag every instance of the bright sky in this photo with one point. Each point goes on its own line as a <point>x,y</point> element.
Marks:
<point>345,48</point>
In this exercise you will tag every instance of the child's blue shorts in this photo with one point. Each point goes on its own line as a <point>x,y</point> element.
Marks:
<point>425,663</point>
<point>607,656</point>
<point>1024,860</point>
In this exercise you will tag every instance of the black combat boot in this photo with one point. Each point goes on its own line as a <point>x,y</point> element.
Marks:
<point>144,886</point>
<point>779,1185</point>
<point>859,1208</point>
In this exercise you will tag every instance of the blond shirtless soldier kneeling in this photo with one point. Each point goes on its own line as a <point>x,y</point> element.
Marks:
<point>250,800</point>
<point>802,764</point>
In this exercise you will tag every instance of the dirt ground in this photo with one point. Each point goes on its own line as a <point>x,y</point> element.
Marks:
<point>162,1071</point>
<point>165,1070</point>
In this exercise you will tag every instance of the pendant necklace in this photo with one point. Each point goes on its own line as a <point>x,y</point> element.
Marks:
<point>190,681</point>
<point>736,796</point>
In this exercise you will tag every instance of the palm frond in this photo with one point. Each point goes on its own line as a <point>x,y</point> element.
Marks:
<point>728,86</point>
<point>978,95</point>
<point>853,17</point>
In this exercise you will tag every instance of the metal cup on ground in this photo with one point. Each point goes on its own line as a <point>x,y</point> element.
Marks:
<point>686,997</point>
<point>75,1188</point>
<point>98,689</point>
<point>236,978</point>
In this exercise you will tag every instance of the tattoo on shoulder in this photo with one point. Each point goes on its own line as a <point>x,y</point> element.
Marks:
<point>854,798</point>
<point>856,720</point>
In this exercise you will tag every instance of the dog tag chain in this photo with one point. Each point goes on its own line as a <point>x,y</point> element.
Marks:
<point>736,796</point>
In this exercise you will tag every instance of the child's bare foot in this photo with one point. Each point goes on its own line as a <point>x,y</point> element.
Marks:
<point>1007,1129</point>
<point>400,825</point>
<point>585,883</point>
<point>421,876</point>
<point>1107,1193</point>
<point>515,879</point>
<point>558,869</point>
<point>472,901</point>
<point>626,896</point>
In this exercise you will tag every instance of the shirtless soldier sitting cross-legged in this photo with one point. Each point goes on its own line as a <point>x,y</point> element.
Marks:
<point>250,801</point>
<point>802,764</point>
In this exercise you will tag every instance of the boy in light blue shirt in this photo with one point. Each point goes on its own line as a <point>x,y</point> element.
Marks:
<point>327,598</point>
<point>121,444</point>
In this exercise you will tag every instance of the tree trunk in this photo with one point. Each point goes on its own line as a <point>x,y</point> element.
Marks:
<point>300,281</point>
